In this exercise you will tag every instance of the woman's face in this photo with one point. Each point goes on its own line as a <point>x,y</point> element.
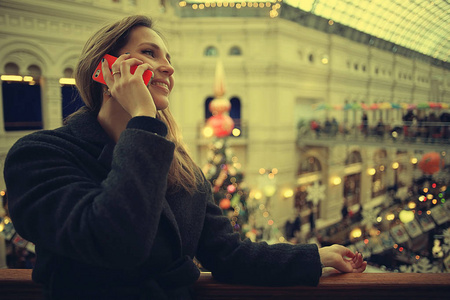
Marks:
<point>146,45</point>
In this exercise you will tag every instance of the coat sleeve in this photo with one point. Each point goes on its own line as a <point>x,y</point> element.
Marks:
<point>55,202</point>
<point>234,261</point>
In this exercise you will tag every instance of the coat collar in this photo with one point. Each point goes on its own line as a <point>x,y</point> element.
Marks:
<point>85,126</point>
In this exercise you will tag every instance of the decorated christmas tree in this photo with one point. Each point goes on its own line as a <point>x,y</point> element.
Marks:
<point>223,169</point>
<point>224,172</point>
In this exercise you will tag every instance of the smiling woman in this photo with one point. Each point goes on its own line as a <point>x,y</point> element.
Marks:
<point>115,205</point>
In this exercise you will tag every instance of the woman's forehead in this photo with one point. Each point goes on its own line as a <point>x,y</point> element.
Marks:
<point>142,34</point>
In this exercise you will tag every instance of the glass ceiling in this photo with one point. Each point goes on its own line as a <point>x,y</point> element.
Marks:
<point>419,25</point>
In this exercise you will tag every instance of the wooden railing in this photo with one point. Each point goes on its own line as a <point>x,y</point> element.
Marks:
<point>16,284</point>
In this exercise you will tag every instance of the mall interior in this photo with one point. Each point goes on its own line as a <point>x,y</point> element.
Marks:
<point>315,121</point>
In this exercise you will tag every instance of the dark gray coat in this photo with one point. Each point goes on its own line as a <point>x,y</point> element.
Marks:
<point>105,226</point>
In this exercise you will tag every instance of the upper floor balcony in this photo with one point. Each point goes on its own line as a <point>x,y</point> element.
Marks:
<point>420,136</point>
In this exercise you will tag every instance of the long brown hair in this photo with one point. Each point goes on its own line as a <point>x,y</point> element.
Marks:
<point>109,40</point>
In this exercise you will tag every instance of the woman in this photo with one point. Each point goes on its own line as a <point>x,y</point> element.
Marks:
<point>114,204</point>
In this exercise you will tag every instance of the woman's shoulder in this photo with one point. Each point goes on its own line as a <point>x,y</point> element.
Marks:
<point>82,126</point>
<point>81,131</point>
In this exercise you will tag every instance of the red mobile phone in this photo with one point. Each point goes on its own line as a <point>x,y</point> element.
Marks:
<point>98,74</point>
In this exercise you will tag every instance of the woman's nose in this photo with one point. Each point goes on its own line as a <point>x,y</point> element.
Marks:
<point>167,68</point>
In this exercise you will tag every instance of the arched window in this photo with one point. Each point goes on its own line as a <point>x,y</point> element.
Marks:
<point>235,114</point>
<point>11,69</point>
<point>34,71</point>
<point>22,108</point>
<point>235,50</point>
<point>309,165</point>
<point>208,114</point>
<point>211,51</point>
<point>353,158</point>
<point>352,189</point>
<point>352,181</point>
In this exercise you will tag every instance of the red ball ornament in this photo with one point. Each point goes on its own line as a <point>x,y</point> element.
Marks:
<point>225,203</point>
<point>222,125</point>
<point>431,163</point>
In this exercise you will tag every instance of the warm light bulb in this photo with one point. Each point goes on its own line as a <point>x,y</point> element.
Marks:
<point>355,233</point>
<point>68,81</point>
<point>236,132</point>
<point>11,78</point>
<point>337,180</point>
<point>390,217</point>
<point>288,193</point>
<point>269,190</point>
<point>208,132</point>
<point>406,216</point>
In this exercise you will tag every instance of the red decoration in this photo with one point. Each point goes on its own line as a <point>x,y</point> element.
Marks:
<point>219,106</point>
<point>231,189</point>
<point>431,162</point>
<point>222,125</point>
<point>225,203</point>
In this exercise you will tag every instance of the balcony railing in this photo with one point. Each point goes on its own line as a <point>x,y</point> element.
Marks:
<point>433,135</point>
<point>17,284</point>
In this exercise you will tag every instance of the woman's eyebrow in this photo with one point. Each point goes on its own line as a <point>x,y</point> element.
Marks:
<point>156,47</point>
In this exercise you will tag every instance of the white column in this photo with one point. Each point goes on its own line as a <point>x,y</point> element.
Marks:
<point>51,102</point>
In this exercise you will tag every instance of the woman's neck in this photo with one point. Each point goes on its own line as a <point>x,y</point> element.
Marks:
<point>113,118</point>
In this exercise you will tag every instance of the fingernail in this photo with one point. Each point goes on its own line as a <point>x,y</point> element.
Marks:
<point>127,53</point>
<point>103,59</point>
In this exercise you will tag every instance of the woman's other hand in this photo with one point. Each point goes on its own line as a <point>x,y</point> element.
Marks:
<point>342,259</point>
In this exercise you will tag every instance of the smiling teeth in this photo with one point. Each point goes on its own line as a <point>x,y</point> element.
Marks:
<point>161,84</point>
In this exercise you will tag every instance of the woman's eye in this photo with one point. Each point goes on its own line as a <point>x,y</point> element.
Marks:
<point>149,52</point>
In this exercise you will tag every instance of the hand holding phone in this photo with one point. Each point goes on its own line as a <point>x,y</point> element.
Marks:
<point>98,74</point>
